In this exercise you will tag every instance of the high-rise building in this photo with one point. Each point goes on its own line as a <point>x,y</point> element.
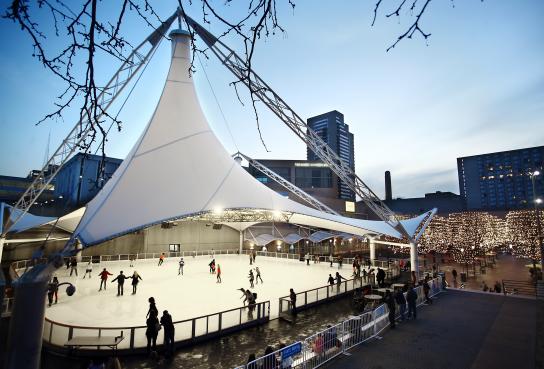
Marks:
<point>501,180</point>
<point>332,129</point>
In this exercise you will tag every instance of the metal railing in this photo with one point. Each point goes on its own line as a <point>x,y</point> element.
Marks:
<point>309,298</point>
<point>513,287</point>
<point>186,331</point>
<point>316,350</point>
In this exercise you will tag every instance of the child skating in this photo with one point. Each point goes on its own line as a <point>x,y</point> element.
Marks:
<point>218,273</point>
<point>88,269</point>
<point>251,279</point>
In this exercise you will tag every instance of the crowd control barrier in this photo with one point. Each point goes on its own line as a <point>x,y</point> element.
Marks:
<point>318,349</point>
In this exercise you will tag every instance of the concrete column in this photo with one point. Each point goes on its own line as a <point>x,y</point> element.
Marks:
<point>241,242</point>
<point>79,248</point>
<point>414,263</point>
<point>2,241</point>
<point>372,251</point>
<point>26,325</point>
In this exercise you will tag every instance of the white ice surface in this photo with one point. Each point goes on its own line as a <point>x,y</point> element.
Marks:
<point>194,294</point>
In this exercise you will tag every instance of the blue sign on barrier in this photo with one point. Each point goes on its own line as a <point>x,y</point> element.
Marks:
<point>291,350</point>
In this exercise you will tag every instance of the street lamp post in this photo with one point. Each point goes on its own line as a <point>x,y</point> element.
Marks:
<point>536,202</point>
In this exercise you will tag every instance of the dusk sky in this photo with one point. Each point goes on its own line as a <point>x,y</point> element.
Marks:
<point>476,86</point>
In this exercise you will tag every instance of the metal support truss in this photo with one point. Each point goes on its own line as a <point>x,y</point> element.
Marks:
<point>239,215</point>
<point>76,138</point>
<point>288,185</point>
<point>260,89</point>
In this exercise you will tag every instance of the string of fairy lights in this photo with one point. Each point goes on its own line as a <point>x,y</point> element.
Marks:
<point>469,235</point>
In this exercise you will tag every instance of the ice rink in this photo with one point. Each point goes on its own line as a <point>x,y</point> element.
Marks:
<point>194,294</point>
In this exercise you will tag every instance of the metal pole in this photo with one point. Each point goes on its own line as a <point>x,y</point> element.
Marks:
<point>414,262</point>
<point>2,241</point>
<point>26,325</point>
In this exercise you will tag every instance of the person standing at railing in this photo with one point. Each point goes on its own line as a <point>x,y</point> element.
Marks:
<point>135,280</point>
<point>120,282</point>
<point>169,333</point>
<point>426,290</point>
<point>390,302</point>
<point>103,278</point>
<point>401,301</point>
<point>152,308</point>
<point>293,298</point>
<point>411,298</point>
<point>151,332</point>
<point>88,269</point>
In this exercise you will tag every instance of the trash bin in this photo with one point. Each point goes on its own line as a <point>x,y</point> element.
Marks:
<point>463,277</point>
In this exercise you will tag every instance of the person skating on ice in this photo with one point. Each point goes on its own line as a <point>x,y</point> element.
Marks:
<point>339,280</point>
<point>120,282</point>
<point>135,279</point>
<point>181,265</point>
<point>258,275</point>
<point>218,274</point>
<point>103,278</point>
<point>331,280</point>
<point>161,259</point>
<point>244,296</point>
<point>250,259</point>
<point>88,269</point>
<point>73,266</point>
<point>251,278</point>
<point>212,266</point>
<point>53,290</point>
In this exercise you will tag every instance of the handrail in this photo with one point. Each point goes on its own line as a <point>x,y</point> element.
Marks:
<point>510,286</point>
<point>214,325</point>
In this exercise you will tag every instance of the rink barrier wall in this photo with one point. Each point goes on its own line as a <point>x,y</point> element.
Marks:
<point>187,332</point>
<point>322,347</point>
<point>309,298</point>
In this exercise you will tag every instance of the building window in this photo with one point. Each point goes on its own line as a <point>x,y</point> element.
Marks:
<point>174,247</point>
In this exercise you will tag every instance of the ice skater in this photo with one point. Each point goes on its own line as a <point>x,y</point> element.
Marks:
<point>135,280</point>
<point>258,276</point>
<point>161,259</point>
<point>120,282</point>
<point>218,274</point>
<point>73,266</point>
<point>251,278</point>
<point>212,266</point>
<point>181,264</point>
<point>250,259</point>
<point>244,295</point>
<point>52,291</point>
<point>331,280</point>
<point>339,281</point>
<point>103,278</point>
<point>88,269</point>
<point>132,258</point>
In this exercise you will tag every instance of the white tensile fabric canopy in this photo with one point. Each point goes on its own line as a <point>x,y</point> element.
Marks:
<point>179,168</point>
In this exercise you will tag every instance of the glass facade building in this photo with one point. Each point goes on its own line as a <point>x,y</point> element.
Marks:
<point>332,129</point>
<point>501,180</point>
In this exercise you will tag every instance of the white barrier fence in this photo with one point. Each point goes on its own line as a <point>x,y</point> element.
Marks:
<point>323,346</point>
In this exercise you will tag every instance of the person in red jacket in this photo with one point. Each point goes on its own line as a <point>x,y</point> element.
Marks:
<point>103,278</point>
<point>218,273</point>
